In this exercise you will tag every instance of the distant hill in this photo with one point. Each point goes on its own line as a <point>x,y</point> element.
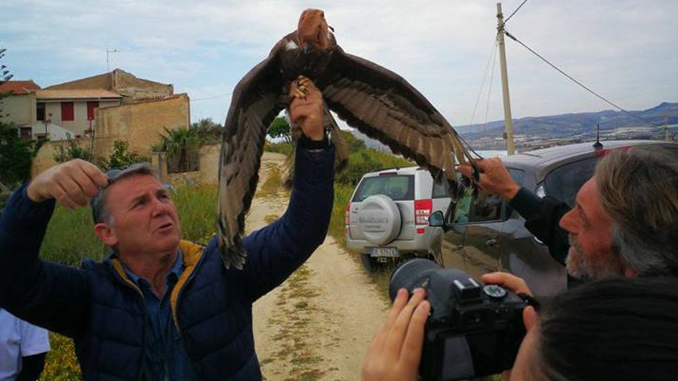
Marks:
<point>566,128</point>
<point>370,143</point>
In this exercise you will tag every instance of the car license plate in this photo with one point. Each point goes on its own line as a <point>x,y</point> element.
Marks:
<point>384,252</point>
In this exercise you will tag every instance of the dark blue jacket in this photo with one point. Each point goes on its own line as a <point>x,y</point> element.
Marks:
<point>104,312</point>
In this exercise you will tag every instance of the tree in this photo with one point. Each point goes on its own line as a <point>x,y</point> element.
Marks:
<point>280,128</point>
<point>181,145</point>
<point>71,150</point>
<point>208,131</point>
<point>354,144</point>
<point>15,155</point>
<point>122,156</point>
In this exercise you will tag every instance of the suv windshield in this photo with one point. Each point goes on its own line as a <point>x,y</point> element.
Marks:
<point>397,187</point>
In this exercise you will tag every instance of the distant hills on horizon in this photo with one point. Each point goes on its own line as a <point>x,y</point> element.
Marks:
<point>541,131</point>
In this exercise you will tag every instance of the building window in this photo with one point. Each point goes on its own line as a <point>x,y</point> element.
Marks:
<point>40,111</point>
<point>67,112</point>
<point>91,105</point>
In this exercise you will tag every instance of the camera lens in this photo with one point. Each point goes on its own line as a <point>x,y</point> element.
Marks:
<point>410,275</point>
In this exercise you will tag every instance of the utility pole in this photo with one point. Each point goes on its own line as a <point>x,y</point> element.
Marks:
<point>504,82</point>
<point>107,63</point>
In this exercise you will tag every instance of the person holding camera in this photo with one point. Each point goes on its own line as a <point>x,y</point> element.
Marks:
<point>609,329</point>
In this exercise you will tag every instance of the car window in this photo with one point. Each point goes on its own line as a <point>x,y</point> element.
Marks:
<point>487,207</point>
<point>518,175</point>
<point>564,182</point>
<point>479,208</point>
<point>439,190</point>
<point>397,187</point>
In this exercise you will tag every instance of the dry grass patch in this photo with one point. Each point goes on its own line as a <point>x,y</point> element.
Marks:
<point>294,333</point>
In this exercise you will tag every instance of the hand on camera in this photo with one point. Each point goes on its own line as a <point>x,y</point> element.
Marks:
<point>395,351</point>
<point>508,281</point>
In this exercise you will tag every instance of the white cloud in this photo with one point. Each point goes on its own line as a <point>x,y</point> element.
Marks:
<point>626,50</point>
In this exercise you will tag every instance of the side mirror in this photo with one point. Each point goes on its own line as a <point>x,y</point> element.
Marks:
<point>437,220</point>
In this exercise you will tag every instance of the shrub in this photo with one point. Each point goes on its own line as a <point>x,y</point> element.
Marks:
<point>122,157</point>
<point>71,150</point>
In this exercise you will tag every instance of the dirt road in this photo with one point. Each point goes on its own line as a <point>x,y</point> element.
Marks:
<point>317,325</point>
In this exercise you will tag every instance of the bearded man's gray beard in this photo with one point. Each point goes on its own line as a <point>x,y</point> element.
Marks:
<point>580,267</point>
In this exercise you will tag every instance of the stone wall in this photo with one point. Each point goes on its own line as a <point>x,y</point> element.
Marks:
<point>44,159</point>
<point>207,175</point>
<point>209,169</point>
<point>21,109</point>
<point>140,123</point>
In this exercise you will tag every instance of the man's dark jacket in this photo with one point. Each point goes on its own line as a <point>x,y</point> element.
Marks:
<point>104,312</point>
<point>542,218</point>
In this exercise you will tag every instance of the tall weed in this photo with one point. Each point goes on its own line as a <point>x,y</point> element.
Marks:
<point>70,238</point>
<point>197,209</point>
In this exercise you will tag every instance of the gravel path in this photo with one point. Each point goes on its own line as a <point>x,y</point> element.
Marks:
<point>316,325</point>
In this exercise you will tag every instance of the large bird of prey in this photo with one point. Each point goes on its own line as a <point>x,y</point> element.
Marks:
<point>373,99</point>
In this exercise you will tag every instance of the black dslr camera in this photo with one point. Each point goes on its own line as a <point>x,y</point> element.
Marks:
<point>474,330</point>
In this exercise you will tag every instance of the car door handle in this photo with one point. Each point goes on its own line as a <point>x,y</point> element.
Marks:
<point>491,242</point>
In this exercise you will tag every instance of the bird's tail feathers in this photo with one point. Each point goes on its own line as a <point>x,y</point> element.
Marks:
<point>232,251</point>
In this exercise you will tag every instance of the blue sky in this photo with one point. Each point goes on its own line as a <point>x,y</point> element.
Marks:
<point>626,50</point>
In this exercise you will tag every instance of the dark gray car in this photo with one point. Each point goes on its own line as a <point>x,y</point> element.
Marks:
<point>485,235</point>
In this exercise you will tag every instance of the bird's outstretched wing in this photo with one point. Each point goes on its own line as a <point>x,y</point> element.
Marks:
<point>384,106</point>
<point>254,104</point>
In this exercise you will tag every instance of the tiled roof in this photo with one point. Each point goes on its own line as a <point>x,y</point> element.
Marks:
<point>76,94</point>
<point>18,87</point>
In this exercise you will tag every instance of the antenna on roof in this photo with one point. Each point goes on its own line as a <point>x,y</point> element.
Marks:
<point>597,145</point>
<point>108,69</point>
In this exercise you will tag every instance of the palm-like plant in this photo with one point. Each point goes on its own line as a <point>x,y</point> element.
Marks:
<point>178,143</point>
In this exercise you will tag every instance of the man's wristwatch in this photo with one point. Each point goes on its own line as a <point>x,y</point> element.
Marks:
<point>314,144</point>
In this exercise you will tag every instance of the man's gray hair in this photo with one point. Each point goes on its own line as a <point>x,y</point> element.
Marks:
<point>638,187</point>
<point>100,211</point>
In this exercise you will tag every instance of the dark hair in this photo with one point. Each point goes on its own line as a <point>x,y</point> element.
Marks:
<point>98,202</point>
<point>612,329</point>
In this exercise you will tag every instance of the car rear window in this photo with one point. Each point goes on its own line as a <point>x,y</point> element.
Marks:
<point>564,182</point>
<point>439,190</point>
<point>397,187</point>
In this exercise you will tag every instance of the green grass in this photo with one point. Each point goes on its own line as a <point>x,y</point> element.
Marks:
<point>342,194</point>
<point>61,363</point>
<point>70,238</point>
<point>197,209</point>
<point>272,185</point>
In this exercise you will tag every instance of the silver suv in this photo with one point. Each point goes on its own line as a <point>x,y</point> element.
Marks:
<point>387,216</point>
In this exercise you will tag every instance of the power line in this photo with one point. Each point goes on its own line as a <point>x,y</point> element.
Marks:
<point>489,90</point>
<point>493,53</point>
<point>579,83</point>
<point>514,12</point>
<point>212,97</point>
